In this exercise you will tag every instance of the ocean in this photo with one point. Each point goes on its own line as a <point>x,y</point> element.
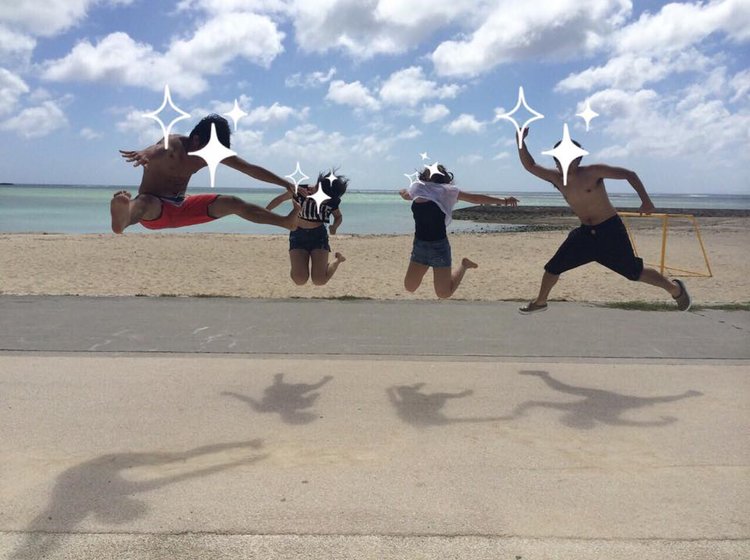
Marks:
<point>85,209</point>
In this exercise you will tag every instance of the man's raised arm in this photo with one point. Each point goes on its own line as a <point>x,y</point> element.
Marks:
<point>610,172</point>
<point>550,175</point>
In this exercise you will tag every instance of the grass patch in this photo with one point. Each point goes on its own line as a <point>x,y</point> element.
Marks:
<point>664,306</point>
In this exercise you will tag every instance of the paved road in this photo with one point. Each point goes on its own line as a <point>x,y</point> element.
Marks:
<point>458,439</point>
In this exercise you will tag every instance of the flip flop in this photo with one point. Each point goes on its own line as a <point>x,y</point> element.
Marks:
<point>532,307</point>
<point>683,299</point>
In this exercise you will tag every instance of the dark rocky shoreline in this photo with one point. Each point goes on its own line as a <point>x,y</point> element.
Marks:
<point>556,217</point>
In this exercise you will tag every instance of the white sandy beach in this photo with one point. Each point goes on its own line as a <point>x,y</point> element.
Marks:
<point>257,266</point>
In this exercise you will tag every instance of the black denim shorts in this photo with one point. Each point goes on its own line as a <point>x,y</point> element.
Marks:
<point>309,239</point>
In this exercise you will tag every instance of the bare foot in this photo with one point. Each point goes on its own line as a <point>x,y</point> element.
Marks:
<point>119,208</point>
<point>339,257</point>
<point>466,263</point>
<point>292,219</point>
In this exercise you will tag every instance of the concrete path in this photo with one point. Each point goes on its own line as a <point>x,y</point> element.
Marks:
<point>282,439</point>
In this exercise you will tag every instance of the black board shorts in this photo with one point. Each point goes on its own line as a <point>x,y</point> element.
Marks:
<point>606,243</point>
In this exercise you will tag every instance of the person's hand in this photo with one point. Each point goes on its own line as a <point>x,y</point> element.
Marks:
<point>511,201</point>
<point>137,157</point>
<point>523,133</point>
<point>332,230</point>
<point>404,194</point>
<point>647,207</point>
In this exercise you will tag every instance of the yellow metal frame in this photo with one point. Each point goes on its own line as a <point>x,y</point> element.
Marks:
<point>664,227</point>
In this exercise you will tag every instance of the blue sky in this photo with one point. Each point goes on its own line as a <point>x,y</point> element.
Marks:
<point>367,85</point>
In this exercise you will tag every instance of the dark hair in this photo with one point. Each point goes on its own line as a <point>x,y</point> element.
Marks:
<point>203,129</point>
<point>443,177</point>
<point>335,189</point>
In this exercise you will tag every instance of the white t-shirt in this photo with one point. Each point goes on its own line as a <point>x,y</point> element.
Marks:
<point>445,195</point>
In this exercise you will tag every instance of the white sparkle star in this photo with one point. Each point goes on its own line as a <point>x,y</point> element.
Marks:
<point>155,115</point>
<point>294,177</point>
<point>509,115</point>
<point>434,169</point>
<point>587,114</point>
<point>413,178</point>
<point>213,153</point>
<point>320,197</point>
<point>236,114</point>
<point>331,177</point>
<point>424,156</point>
<point>566,152</point>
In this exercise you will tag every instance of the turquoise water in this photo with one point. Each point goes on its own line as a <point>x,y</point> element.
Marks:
<point>77,209</point>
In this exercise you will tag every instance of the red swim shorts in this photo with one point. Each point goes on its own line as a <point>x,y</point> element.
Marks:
<point>193,210</point>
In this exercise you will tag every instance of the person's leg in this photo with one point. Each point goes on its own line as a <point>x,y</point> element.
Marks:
<point>548,282</point>
<point>446,283</point>
<point>654,278</point>
<point>227,205</point>
<point>126,211</point>
<point>321,271</point>
<point>414,275</point>
<point>300,271</point>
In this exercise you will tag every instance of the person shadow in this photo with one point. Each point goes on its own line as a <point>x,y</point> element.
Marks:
<point>425,409</point>
<point>597,405</point>
<point>288,400</point>
<point>100,488</point>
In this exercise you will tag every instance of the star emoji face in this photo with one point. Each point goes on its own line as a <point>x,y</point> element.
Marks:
<point>509,115</point>
<point>297,177</point>
<point>155,115</point>
<point>331,178</point>
<point>319,197</point>
<point>213,153</point>
<point>587,114</point>
<point>566,152</point>
<point>236,114</point>
<point>434,169</point>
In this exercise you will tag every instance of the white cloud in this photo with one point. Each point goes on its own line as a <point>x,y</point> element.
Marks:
<point>409,87</point>
<point>517,31</point>
<point>434,113</point>
<point>35,122</point>
<point>15,46</point>
<point>501,156</point>
<point>680,25</point>
<point>145,131</point>
<point>223,6</point>
<point>274,114</point>
<point>311,80</point>
<point>741,86</point>
<point>689,123</point>
<point>117,58</point>
<point>353,94</point>
<point>89,134</point>
<point>465,123</point>
<point>12,87</point>
<point>410,133</point>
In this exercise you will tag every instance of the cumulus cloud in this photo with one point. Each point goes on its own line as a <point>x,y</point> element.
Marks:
<point>275,113</point>
<point>117,58</point>
<point>12,87</point>
<point>35,122</point>
<point>310,80</point>
<point>518,31</point>
<point>432,113</point>
<point>353,94</point>
<point>410,86</point>
<point>465,123</point>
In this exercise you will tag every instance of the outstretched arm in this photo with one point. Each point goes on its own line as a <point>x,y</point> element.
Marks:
<point>256,172</point>
<point>278,200</point>
<point>153,152</point>
<point>550,175</point>
<point>485,199</point>
<point>405,194</point>
<point>610,172</point>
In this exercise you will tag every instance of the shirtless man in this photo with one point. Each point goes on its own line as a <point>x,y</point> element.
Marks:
<point>602,236</point>
<point>161,201</point>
